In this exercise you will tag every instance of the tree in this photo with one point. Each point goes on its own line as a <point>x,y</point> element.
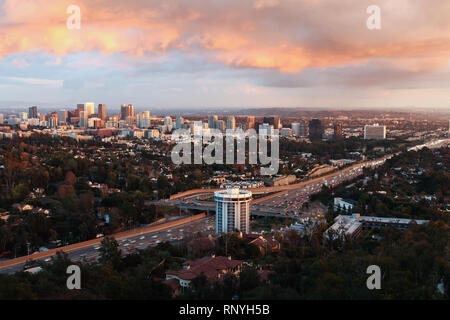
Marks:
<point>248,280</point>
<point>110,253</point>
<point>71,179</point>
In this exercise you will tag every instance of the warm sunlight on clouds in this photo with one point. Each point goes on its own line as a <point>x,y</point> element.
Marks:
<point>277,44</point>
<point>284,35</point>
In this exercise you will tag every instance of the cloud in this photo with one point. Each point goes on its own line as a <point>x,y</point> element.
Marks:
<point>55,62</point>
<point>287,36</point>
<point>21,63</point>
<point>262,4</point>
<point>37,81</point>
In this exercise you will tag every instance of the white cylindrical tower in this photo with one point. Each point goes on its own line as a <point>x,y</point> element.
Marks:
<point>232,210</point>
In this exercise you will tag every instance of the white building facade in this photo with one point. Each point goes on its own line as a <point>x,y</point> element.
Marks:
<point>232,210</point>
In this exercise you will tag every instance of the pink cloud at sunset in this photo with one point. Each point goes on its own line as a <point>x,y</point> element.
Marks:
<point>285,35</point>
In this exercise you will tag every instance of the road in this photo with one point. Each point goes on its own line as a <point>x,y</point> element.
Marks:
<point>189,194</point>
<point>289,198</point>
<point>128,241</point>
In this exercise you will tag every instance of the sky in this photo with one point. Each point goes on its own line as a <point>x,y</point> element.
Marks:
<point>226,53</point>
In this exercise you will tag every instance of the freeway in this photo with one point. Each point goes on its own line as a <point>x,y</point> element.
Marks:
<point>288,199</point>
<point>203,192</point>
<point>255,209</point>
<point>129,241</point>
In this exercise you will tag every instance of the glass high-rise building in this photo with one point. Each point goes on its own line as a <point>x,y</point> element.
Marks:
<point>315,129</point>
<point>231,123</point>
<point>179,123</point>
<point>32,112</point>
<point>102,111</point>
<point>212,121</point>
<point>126,111</point>
<point>232,210</point>
<point>250,122</point>
<point>63,115</point>
<point>89,108</point>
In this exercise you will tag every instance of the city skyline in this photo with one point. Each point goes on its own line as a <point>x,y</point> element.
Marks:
<point>259,53</point>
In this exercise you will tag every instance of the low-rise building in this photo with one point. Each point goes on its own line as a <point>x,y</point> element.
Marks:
<point>352,225</point>
<point>212,267</point>
<point>266,245</point>
<point>344,204</point>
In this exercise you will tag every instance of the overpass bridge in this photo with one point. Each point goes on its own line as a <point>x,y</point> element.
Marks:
<point>255,210</point>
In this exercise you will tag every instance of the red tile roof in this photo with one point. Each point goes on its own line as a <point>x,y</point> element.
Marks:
<point>211,267</point>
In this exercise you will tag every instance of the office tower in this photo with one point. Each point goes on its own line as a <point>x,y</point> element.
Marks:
<point>212,121</point>
<point>232,210</point>
<point>89,108</point>
<point>179,123</point>
<point>143,119</point>
<point>13,120</point>
<point>274,121</point>
<point>285,132</point>
<point>35,122</point>
<point>250,122</point>
<point>94,122</point>
<point>231,123</point>
<point>220,124</point>
<point>130,110</point>
<point>98,123</point>
<point>23,116</point>
<point>53,120</point>
<point>123,112</point>
<point>338,130</point>
<point>315,129</point>
<point>2,118</point>
<point>145,123</point>
<point>32,112</point>
<point>196,128</point>
<point>83,120</point>
<point>266,129</point>
<point>299,129</point>
<point>277,123</point>
<point>102,111</point>
<point>375,132</point>
<point>296,129</point>
<point>129,120</point>
<point>62,116</point>
<point>126,111</point>
<point>168,121</point>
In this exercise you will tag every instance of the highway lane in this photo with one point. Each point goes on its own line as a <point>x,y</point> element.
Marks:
<point>189,194</point>
<point>128,243</point>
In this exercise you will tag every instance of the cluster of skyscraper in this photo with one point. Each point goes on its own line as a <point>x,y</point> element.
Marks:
<point>84,116</point>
